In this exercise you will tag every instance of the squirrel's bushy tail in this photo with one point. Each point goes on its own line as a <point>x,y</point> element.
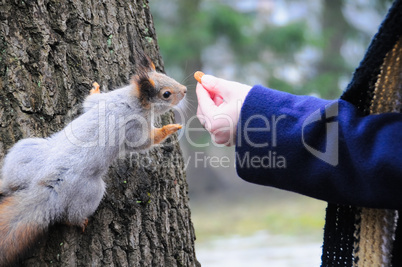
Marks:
<point>17,234</point>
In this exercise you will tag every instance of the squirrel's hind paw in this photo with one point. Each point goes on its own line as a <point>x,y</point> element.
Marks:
<point>95,89</point>
<point>84,224</point>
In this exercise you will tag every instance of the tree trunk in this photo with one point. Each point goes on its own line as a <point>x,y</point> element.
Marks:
<point>50,53</point>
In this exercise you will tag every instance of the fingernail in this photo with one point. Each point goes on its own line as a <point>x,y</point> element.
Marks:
<point>208,80</point>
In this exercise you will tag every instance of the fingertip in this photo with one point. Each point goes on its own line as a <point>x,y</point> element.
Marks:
<point>209,82</point>
<point>216,85</point>
<point>206,78</point>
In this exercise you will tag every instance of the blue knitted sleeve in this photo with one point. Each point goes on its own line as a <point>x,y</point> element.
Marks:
<point>320,148</point>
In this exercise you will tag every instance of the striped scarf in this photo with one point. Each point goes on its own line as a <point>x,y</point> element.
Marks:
<point>356,236</point>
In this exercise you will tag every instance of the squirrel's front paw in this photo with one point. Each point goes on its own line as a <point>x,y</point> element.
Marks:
<point>160,134</point>
<point>95,89</point>
<point>172,128</point>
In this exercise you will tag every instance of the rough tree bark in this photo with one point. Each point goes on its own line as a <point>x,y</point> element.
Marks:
<point>50,53</point>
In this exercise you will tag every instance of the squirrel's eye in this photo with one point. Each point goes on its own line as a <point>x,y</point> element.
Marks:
<point>166,94</point>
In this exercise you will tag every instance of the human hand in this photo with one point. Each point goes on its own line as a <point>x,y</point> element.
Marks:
<point>219,105</point>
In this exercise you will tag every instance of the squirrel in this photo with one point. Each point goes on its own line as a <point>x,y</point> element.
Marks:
<point>58,179</point>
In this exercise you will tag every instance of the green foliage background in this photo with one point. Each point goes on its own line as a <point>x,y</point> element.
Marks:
<point>187,29</point>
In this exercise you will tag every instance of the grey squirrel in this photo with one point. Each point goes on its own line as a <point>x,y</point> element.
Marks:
<point>59,178</point>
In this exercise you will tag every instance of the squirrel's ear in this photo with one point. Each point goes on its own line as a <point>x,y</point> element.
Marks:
<point>144,88</point>
<point>145,63</point>
<point>152,65</point>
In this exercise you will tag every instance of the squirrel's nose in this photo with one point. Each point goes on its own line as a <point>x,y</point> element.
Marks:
<point>185,90</point>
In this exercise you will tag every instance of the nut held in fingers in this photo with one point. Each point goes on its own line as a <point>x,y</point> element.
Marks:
<point>198,75</point>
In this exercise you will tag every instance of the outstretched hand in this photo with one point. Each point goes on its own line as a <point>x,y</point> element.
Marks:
<point>219,105</point>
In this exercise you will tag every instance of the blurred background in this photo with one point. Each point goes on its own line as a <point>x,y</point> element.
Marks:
<point>302,47</point>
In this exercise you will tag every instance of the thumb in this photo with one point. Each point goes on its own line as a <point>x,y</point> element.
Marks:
<point>217,86</point>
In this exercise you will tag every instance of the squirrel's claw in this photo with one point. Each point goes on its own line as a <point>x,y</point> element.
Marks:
<point>84,224</point>
<point>95,89</point>
<point>172,128</point>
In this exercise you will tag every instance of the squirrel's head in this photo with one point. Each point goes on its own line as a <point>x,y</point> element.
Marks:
<point>157,90</point>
